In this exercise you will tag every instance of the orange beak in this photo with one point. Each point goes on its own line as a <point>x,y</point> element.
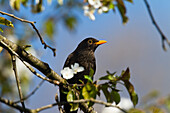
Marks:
<point>100,42</point>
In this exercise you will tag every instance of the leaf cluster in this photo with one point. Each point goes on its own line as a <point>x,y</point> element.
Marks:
<point>108,88</point>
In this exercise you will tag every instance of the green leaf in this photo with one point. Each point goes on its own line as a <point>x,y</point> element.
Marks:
<point>15,4</point>
<point>24,2</point>
<point>109,76</point>
<point>71,97</point>
<point>49,26</point>
<point>131,1</point>
<point>91,72</point>
<point>38,7</point>
<point>125,75</point>
<point>88,78</point>
<point>133,110</point>
<point>115,96</point>
<point>104,88</point>
<point>131,91</point>
<point>6,22</point>
<point>122,10</point>
<point>1,30</point>
<point>70,22</point>
<point>74,107</point>
<point>111,6</point>
<point>89,91</point>
<point>1,48</point>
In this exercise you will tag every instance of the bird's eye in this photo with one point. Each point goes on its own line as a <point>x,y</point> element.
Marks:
<point>90,41</point>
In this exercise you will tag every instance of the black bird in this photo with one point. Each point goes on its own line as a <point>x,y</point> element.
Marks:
<point>84,56</point>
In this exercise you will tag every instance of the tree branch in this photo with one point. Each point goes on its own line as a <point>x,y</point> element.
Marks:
<point>33,25</point>
<point>82,101</point>
<point>16,106</point>
<point>32,60</point>
<point>164,38</point>
<point>17,81</point>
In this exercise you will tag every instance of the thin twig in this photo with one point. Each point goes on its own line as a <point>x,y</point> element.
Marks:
<point>33,92</point>
<point>80,101</point>
<point>164,38</point>
<point>16,106</point>
<point>33,25</point>
<point>18,81</point>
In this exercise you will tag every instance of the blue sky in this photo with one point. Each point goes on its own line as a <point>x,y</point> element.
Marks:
<point>136,45</point>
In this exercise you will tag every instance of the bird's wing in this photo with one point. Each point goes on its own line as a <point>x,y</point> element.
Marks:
<point>69,60</point>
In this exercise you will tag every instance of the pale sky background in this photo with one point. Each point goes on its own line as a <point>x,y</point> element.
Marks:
<point>136,45</point>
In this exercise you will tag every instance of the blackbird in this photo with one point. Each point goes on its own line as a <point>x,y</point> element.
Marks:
<point>84,56</point>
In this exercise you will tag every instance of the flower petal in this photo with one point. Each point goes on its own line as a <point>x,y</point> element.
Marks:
<point>67,73</point>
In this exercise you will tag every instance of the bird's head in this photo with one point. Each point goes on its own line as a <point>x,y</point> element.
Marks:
<point>90,44</point>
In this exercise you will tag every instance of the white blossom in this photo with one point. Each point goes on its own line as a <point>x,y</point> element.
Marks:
<point>76,68</point>
<point>89,11</point>
<point>102,9</point>
<point>95,3</point>
<point>67,73</point>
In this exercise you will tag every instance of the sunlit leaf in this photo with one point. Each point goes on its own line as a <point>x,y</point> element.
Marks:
<point>88,78</point>
<point>1,30</point>
<point>111,6</point>
<point>15,4</point>
<point>108,77</point>
<point>71,97</point>
<point>60,2</point>
<point>49,1</point>
<point>135,111</point>
<point>49,26</point>
<point>6,22</point>
<point>1,49</point>
<point>89,91</point>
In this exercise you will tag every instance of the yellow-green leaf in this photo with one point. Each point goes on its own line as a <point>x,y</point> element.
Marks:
<point>6,22</point>
<point>70,22</point>
<point>131,91</point>
<point>24,2</point>
<point>1,29</point>
<point>89,91</point>
<point>1,48</point>
<point>49,28</point>
<point>131,1</point>
<point>71,97</point>
<point>60,2</point>
<point>15,4</point>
